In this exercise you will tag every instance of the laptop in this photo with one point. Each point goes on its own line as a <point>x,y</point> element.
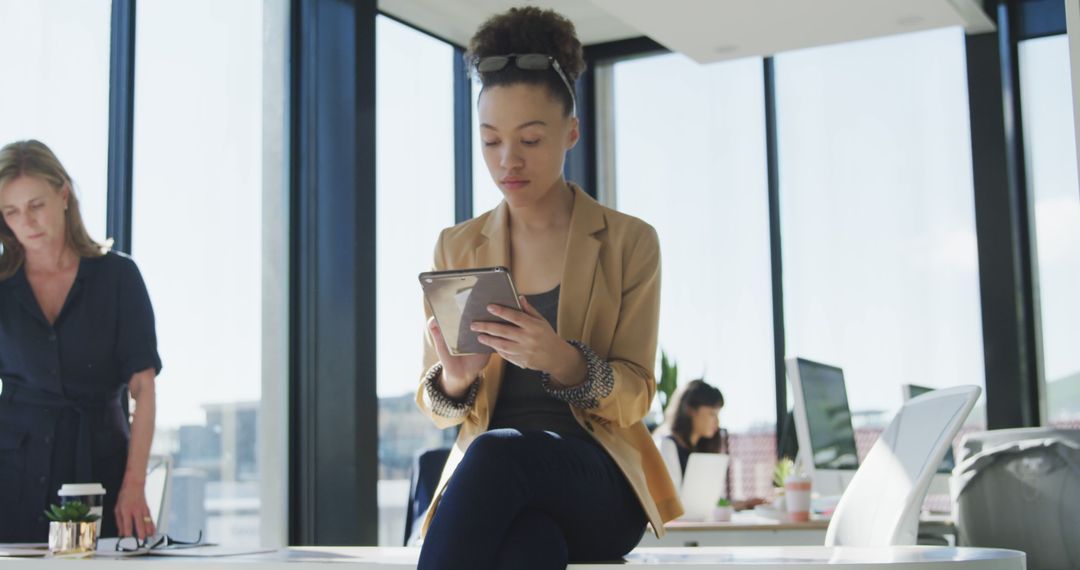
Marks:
<point>703,484</point>
<point>157,489</point>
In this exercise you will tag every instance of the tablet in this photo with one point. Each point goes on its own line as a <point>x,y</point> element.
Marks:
<point>460,297</point>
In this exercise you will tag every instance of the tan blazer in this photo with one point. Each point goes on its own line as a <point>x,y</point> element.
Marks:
<point>610,300</point>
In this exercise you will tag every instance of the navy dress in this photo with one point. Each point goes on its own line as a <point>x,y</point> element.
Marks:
<point>61,419</point>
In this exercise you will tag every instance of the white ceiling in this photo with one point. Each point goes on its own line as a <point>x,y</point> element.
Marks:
<point>456,20</point>
<point>710,30</point>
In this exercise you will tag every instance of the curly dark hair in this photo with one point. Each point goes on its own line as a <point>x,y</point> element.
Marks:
<point>529,30</point>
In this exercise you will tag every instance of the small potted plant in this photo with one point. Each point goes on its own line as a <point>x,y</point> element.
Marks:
<point>72,529</point>
<point>784,468</point>
<point>722,511</point>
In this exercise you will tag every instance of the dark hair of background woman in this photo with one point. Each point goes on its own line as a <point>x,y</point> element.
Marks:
<point>529,30</point>
<point>696,394</point>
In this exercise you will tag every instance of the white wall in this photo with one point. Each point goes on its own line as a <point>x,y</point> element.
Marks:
<point>1072,9</point>
<point>273,428</point>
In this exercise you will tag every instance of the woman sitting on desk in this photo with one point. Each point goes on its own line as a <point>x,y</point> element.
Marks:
<point>552,462</point>
<point>692,425</point>
<point>76,329</point>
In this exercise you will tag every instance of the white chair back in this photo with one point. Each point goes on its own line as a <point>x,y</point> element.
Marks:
<point>881,505</point>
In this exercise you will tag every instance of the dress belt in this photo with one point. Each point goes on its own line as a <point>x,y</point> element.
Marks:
<point>83,409</point>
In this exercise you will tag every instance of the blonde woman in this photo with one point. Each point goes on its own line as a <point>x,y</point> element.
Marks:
<point>76,328</point>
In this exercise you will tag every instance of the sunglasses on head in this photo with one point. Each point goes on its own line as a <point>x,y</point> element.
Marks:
<point>527,62</point>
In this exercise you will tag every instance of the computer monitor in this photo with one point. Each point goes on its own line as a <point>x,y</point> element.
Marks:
<point>939,485</point>
<point>823,425</point>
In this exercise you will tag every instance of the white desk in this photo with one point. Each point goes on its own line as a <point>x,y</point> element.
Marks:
<point>744,558</point>
<point>748,529</point>
<point>744,530</point>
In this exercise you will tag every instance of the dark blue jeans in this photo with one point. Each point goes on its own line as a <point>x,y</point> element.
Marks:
<point>532,500</point>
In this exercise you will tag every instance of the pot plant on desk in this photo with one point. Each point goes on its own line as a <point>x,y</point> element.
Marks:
<point>722,511</point>
<point>72,529</point>
<point>792,499</point>
<point>776,508</point>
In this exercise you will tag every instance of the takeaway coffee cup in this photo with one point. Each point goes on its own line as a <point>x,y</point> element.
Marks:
<point>89,494</point>
<point>797,498</point>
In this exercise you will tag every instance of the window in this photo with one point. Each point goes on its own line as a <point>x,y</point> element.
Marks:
<point>57,90</point>
<point>415,197</point>
<point>1051,171</point>
<point>877,214</point>
<point>690,160</point>
<point>197,237</point>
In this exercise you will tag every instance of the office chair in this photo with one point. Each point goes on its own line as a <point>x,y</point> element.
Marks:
<point>427,468</point>
<point>881,505</point>
<point>1020,489</point>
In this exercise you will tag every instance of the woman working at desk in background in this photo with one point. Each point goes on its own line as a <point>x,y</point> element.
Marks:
<point>552,463</point>
<point>76,328</point>
<point>692,425</point>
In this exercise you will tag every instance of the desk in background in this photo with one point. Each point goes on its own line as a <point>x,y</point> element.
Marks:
<point>780,558</point>
<point>748,529</point>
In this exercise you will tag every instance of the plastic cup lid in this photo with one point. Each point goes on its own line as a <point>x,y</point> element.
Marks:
<point>81,489</point>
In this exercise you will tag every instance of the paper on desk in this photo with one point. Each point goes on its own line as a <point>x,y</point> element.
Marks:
<point>209,551</point>
<point>107,549</point>
<point>24,550</point>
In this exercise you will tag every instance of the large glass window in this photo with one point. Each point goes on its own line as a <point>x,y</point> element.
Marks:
<point>1051,170</point>
<point>690,160</point>
<point>877,212</point>
<point>197,236</point>
<point>56,90</point>
<point>415,200</point>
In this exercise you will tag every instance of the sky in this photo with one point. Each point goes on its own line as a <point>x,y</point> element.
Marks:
<point>877,212</point>
<point>876,201</point>
<point>197,169</point>
<point>877,222</point>
<point>197,193</point>
<point>1048,116</point>
<point>690,160</point>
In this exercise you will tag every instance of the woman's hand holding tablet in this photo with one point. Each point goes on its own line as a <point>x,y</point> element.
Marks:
<point>458,371</point>
<point>457,299</point>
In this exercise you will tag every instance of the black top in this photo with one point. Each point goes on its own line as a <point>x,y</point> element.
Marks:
<point>523,404</point>
<point>61,419</point>
<point>103,335</point>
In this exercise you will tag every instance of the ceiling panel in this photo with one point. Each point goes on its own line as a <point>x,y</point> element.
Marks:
<point>710,30</point>
<point>456,20</point>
